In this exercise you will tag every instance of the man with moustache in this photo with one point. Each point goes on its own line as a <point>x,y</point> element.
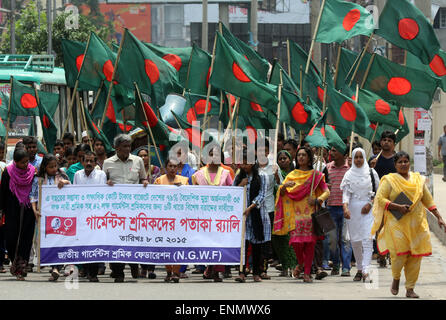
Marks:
<point>90,175</point>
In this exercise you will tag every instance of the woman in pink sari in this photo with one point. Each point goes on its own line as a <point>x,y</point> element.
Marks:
<point>294,205</point>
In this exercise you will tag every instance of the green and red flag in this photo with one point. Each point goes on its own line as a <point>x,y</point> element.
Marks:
<point>260,64</point>
<point>233,73</point>
<point>192,132</point>
<point>177,57</point>
<point>346,113</point>
<point>97,132</point>
<point>401,85</point>
<point>4,104</point>
<point>378,110</point>
<point>298,58</point>
<point>343,20</point>
<point>347,62</point>
<point>49,100</point>
<point>199,71</point>
<point>405,26</point>
<point>73,55</point>
<point>258,116</point>
<point>403,128</point>
<point>49,127</point>
<point>297,114</point>
<point>437,68</point>
<point>287,82</point>
<point>155,76</point>
<point>323,135</point>
<point>195,109</point>
<point>23,100</point>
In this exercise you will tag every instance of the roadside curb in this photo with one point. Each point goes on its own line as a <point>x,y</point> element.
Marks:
<point>435,228</point>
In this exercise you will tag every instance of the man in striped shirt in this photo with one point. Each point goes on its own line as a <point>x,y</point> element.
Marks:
<point>340,249</point>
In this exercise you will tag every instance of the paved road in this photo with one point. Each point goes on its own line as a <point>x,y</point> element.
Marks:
<point>431,284</point>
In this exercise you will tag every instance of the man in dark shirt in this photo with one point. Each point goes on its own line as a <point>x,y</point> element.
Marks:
<point>384,165</point>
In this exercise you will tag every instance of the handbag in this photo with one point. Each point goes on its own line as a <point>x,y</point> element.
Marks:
<point>322,222</point>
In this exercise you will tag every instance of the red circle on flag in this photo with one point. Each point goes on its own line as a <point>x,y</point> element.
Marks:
<point>121,126</point>
<point>28,101</point>
<point>256,106</point>
<point>382,107</point>
<point>351,18</point>
<point>320,93</point>
<point>208,76</point>
<point>151,117</point>
<point>96,128</point>
<point>401,117</point>
<point>107,70</point>
<point>194,136</point>
<point>162,147</point>
<point>372,125</point>
<point>174,60</point>
<point>312,130</point>
<point>231,100</point>
<point>332,126</point>
<point>111,112</point>
<point>1,101</point>
<point>79,60</point>
<point>239,74</point>
<point>408,28</point>
<point>299,114</point>
<point>46,122</point>
<point>348,111</point>
<point>252,134</point>
<point>151,71</point>
<point>323,131</point>
<point>399,86</point>
<point>437,66</point>
<point>190,116</point>
<point>200,106</point>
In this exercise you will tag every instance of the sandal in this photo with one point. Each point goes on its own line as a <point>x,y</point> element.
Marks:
<point>19,277</point>
<point>175,278</point>
<point>257,278</point>
<point>241,278</point>
<point>366,278</point>
<point>395,287</point>
<point>54,275</point>
<point>307,278</point>
<point>264,276</point>
<point>411,294</point>
<point>297,271</point>
<point>168,278</point>
<point>358,276</point>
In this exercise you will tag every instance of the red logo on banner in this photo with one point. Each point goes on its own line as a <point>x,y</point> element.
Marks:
<point>60,225</point>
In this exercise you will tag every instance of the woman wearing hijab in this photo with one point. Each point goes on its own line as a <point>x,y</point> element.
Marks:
<point>15,205</point>
<point>358,194</point>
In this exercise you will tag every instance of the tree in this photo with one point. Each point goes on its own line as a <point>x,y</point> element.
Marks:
<point>32,38</point>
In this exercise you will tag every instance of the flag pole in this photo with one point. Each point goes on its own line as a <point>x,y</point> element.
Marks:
<point>361,58</point>
<point>314,36</point>
<point>96,98</point>
<point>276,136</point>
<point>112,79</point>
<point>289,56</point>
<point>9,118</point>
<point>84,120</point>
<point>373,139</point>
<point>148,125</point>
<point>208,95</point>
<point>351,137</point>
<point>237,101</point>
<point>76,84</point>
<point>338,60</point>
<point>366,75</point>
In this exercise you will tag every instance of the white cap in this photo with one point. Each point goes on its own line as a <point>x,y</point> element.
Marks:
<point>84,134</point>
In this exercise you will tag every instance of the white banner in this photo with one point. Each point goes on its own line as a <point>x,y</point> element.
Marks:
<point>133,224</point>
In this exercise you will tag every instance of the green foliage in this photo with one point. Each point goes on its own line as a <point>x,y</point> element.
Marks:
<point>32,38</point>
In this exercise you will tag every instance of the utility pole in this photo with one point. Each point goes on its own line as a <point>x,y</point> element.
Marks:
<point>49,27</point>
<point>254,25</point>
<point>223,13</point>
<point>13,51</point>
<point>204,27</point>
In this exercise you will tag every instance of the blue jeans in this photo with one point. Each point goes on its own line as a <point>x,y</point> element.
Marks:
<point>326,252</point>
<point>343,250</point>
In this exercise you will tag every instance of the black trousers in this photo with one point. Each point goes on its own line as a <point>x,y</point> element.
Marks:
<point>148,267</point>
<point>118,269</point>
<point>2,245</point>
<point>92,269</point>
<point>12,229</point>
<point>318,254</point>
<point>256,253</point>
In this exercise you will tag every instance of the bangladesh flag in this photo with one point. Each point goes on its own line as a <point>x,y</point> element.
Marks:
<point>298,58</point>
<point>199,71</point>
<point>323,135</point>
<point>342,20</point>
<point>437,68</point>
<point>23,100</point>
<point>96,132</point>
<point>177,57</point>
<point>346,113</point>
<point>73,55</point>
<point>195,107</point>
<point>347,62</point>
<point>49,127</point>
<point>401,85</point>
<point>4,105</point>
<point>404,25</point>
<point>379,110</point>
<point>260,64</point>
<point>261,117</point>
<point>233,73</point>
<point>403,129</point>
<point>295,113</point>
<point>50,101</point>
<point>155,76</point>
<point>192,133</point>
<point>287,82</point>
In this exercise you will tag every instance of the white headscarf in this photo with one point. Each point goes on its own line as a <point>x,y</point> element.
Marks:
<point>357,179</point>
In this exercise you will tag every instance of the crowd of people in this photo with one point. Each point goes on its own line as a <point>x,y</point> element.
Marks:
<point>282,195</point>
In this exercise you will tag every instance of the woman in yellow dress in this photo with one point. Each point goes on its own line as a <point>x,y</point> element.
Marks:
<point>407,239</point>
<point>171,178</point>
<point>294,206</point>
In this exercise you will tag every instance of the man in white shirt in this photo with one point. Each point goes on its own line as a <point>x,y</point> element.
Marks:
<point>90,175</point>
